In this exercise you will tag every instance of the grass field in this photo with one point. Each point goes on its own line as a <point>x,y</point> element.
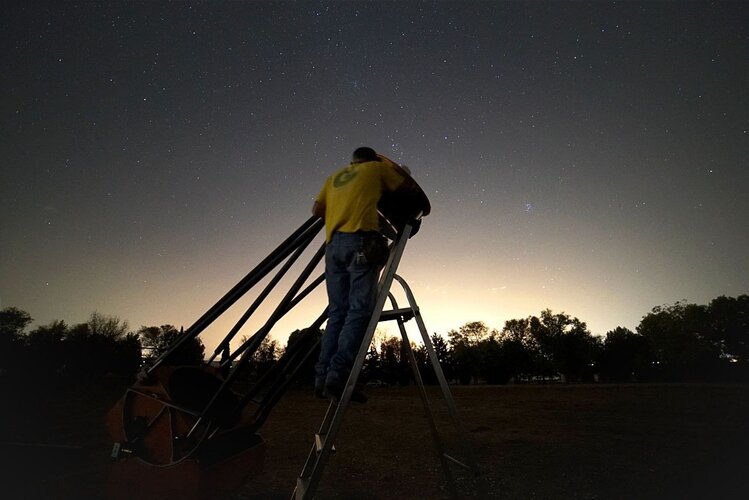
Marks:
<point>531,442</point>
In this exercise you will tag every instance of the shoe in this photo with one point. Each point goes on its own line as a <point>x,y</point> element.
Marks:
<point>334,391</point>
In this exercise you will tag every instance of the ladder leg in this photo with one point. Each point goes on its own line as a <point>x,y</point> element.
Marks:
<point>427,409</point>
<point>452,408</point>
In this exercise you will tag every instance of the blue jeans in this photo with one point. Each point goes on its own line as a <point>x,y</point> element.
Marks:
<point>352,288</point>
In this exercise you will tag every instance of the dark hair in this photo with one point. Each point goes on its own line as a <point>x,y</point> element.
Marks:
<point>364,154</point>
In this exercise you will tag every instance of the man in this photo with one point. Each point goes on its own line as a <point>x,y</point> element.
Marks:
<point>354,255</point>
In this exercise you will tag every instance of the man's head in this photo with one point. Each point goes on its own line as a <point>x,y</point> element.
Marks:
<point>363,154</point>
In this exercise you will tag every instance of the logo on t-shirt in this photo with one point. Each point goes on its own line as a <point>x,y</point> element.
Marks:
<point>345,176</point>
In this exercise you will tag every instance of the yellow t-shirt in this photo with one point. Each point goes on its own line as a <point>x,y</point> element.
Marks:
<point>350,196</point>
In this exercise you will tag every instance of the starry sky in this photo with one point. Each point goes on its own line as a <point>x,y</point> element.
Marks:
<point>591,158</point>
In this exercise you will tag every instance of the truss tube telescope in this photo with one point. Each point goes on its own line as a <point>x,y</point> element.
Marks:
<point>192,431</point>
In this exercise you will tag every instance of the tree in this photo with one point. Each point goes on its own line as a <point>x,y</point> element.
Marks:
<point>466,346</point>
<point>442,349</point>
<point>13,323</point>
<point>471,333</point>
<point>444,357</point>
<point>426,371</point>
<point>565,346</point>
<point>516,330</point>
<point>266,354</point>
<point>517,358</point>
<point>679,342</point>
<point>108,326</point>
<point>393,362</point>
<point>127,355</point>
<point>519,350</point>
<point>465,353</point>
<point>47,348</point>
<point>157,341</point>
<point>623,357</point>
<point>311,346</point>
<point>101,346</point>
<point>545,346</point>
<point>729,332</point>
<point>492,366</point>
<point>371,367</point>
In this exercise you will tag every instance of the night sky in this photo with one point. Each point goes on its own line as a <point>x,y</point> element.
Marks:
<point>591,158</point>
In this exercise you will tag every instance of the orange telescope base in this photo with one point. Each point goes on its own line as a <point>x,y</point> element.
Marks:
<point>156,455</point>
<point>190,479</point>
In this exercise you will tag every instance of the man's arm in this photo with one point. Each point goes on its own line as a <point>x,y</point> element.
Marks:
<point>318,209</point>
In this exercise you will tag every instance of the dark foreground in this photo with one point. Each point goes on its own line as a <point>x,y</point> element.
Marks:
<point>607,442</point>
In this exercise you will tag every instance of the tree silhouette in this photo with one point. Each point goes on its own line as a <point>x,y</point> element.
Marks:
<point>47,346</point>
<point>682,342</point>
<point>729,322</point>
<point>107,326</point>
<point>81,351</point>
<point>624,356</point>
<point>679,342</point>
<point>493,365</point>
<point>266,355</point>
<point>306,373</point>
<point>157,340</point>
<point>518,349</point>
<point>127,355</point>
<point>444,357</point>
<point>393,362</point>
<point>101,346</point>
<point>563,346</point>
<point>470,333</point>
<point>13,323</point>
<point>371,367</point>
<point>517,358</point>
<point>466,351</point>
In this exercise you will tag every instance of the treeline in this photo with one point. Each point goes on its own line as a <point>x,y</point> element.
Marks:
<point>102,346</point>
<point>679,343</point>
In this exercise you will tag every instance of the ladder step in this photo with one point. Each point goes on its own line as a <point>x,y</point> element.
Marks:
<point>319,442</point>
<point>456,461</point>
<point>404,314</point>
<point>301,487</point>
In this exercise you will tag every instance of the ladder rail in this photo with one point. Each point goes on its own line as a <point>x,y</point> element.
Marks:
<point>425,402</point>
<point>450,401</point>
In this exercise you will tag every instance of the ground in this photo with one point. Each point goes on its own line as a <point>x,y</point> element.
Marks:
<point>531,442</point>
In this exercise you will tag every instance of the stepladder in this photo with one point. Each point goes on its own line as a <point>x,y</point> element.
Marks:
<point>323,442</point>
